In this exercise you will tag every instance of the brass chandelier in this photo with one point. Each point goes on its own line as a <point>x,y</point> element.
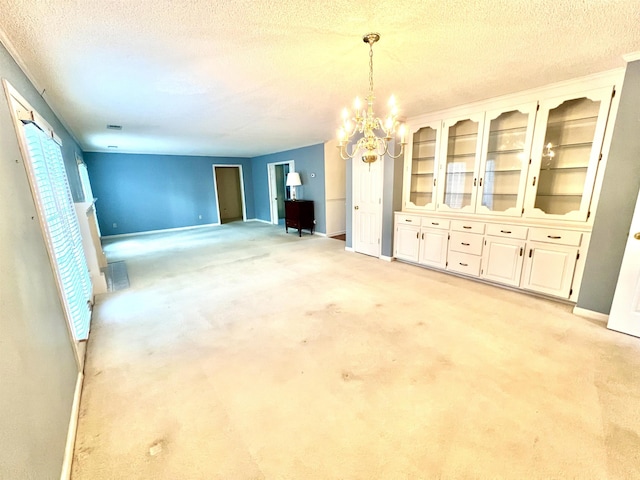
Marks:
<point>367,124</point>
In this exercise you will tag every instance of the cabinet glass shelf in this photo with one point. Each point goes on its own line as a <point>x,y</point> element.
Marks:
<point>547,169</point>
<point>505,151</point>
<point>575,122</point>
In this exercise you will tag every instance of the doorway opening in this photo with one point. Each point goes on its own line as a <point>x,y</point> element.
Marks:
<point>278,190</point>
<point>228,183</point>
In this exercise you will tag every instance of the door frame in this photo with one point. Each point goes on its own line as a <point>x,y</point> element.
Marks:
<point>271,180</point>
<point>215,189</point>
<point>355,172</point>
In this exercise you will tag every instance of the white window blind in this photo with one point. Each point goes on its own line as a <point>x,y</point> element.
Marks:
<point>62,232</point>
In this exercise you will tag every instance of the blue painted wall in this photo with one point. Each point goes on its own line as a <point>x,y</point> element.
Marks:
<point>140,193</point>
<point>308,160</point>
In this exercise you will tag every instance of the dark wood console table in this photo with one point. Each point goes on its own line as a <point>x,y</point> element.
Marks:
<point>299,214</point>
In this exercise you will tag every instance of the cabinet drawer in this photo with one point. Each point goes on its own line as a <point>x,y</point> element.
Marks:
<point>510,231</point>
<point>559,237</point>
<point>464,263</point>
<point>466,243</point>
<point>439,223</point>
<point>408,219</point>
<point>464,226</point>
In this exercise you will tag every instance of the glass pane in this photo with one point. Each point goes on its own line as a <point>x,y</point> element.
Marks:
<point>505,159</point>
<point>461,159</point>
<point>565,159</point>
<point>422,166</point>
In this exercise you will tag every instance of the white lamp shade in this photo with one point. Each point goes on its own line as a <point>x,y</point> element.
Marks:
<point>293,179</point>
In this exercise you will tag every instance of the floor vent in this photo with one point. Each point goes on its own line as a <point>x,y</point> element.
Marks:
<point>117,276</point>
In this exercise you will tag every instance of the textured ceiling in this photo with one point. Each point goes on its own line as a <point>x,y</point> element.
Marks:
<point>249,77</point>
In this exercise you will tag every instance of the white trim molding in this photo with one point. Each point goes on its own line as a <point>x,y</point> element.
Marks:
<point>164,230</point>
<point>631,57</point>
<point>73,428</point>
<point>590,314</point>
<point>386,259</point>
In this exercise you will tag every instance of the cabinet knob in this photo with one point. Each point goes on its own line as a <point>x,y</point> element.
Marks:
<point>356,207</point>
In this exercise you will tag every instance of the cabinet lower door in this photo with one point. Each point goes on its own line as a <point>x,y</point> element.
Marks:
<point>502,260</point>
<point>549,269</point>
<point>407,242</point>
<point>433,247</point>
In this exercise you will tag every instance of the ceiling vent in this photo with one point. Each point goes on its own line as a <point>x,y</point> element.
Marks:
<point>114,127</point>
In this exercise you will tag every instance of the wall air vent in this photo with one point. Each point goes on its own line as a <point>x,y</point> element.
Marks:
<point>112,146</point>
<point>114,127</point>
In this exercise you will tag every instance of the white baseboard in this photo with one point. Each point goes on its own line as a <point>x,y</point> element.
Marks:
<point>165,230</point>
<point>260,220</point>
<point>349,249</point>
<point>386,259</point>
<point>590,314</point>
<point>73,428</point>
<point>320,234</point>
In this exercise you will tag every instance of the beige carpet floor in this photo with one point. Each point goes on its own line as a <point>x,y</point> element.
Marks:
<point>240,352</point>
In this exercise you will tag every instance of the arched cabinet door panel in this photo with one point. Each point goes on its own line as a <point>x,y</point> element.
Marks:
<point>507,140</point>
<point>460,163</point>
<point>566,151</point>
<point>421,167</point>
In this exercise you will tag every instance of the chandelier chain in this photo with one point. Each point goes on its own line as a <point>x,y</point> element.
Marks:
<point>371,68</point>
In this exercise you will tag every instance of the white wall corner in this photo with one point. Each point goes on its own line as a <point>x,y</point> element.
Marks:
<point>590,314</point>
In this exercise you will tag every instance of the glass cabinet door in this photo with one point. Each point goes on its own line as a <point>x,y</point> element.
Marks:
<point>461,154</point>
<point>569,134</point>
<point>423,158</point>
<point>505,160</point>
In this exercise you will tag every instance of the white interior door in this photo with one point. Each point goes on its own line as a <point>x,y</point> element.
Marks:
<point>367,205</point>
<point>625,310</point>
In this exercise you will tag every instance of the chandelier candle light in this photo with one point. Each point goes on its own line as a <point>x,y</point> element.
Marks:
<point>366,123</point>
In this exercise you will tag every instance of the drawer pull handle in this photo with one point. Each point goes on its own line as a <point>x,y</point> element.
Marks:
<point>467,227</point>
<point>520,251</point>
<point>408,220</point>
<point>465,244</point>
<point>505,231</point>
<point>418,235</point>
<point>435,223</point>
<point>464,264</point>
<point>423,236</point>
<point>554,237</point>
<point>534,182</point>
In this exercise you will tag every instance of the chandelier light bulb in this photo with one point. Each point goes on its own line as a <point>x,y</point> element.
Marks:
<point>389,124</point>
<point>357,104</point>
<point>345,114</point>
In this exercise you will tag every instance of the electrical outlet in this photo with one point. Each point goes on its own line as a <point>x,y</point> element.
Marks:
<point>115,225</point>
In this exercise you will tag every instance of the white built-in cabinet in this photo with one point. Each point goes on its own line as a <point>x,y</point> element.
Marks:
<point>506,193</point>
